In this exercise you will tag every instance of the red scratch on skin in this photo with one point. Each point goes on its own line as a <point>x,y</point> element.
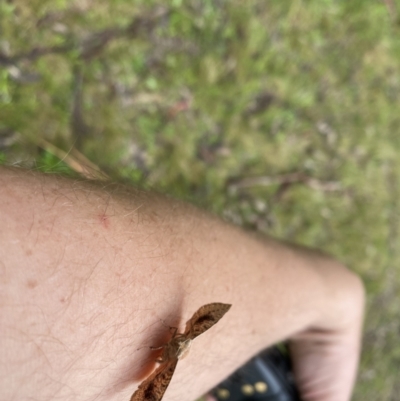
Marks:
<point>104,220</point>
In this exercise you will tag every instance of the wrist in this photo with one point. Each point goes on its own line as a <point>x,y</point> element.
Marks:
<point>345,298</point>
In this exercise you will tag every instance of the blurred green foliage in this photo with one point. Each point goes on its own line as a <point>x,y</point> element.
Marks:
<point>202,98</point>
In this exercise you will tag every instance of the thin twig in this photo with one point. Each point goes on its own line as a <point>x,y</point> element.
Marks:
<point>75,160</point>
<point>94,43</point>
<point>287,179</point>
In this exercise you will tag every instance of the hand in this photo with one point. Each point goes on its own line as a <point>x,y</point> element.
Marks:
<point>325,361</point>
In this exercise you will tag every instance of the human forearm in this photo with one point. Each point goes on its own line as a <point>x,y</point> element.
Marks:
<point>91,270</point>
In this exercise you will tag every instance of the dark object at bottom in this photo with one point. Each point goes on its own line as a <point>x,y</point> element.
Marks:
<point>266,377</point>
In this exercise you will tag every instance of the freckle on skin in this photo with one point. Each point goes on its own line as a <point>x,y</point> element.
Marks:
<point>31,283</point>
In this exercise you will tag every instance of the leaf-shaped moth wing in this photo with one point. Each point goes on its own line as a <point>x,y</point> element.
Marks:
<point>153,388</point>
<point>205,318</point>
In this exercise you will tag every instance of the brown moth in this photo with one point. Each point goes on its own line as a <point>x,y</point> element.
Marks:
<point>153,388</point>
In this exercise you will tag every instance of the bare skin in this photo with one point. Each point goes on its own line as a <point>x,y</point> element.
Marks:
<point>90,272</point>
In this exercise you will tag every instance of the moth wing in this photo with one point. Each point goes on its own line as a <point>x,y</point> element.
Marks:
<point>153,388</point>
<point>205,318</point>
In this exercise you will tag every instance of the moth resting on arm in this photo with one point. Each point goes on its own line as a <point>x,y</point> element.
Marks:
<point>153,388</point>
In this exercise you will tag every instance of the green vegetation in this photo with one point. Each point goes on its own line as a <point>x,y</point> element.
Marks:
<point>202,99</point>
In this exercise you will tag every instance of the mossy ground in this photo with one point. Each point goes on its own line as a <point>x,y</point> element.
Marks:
<point>278,116</point>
